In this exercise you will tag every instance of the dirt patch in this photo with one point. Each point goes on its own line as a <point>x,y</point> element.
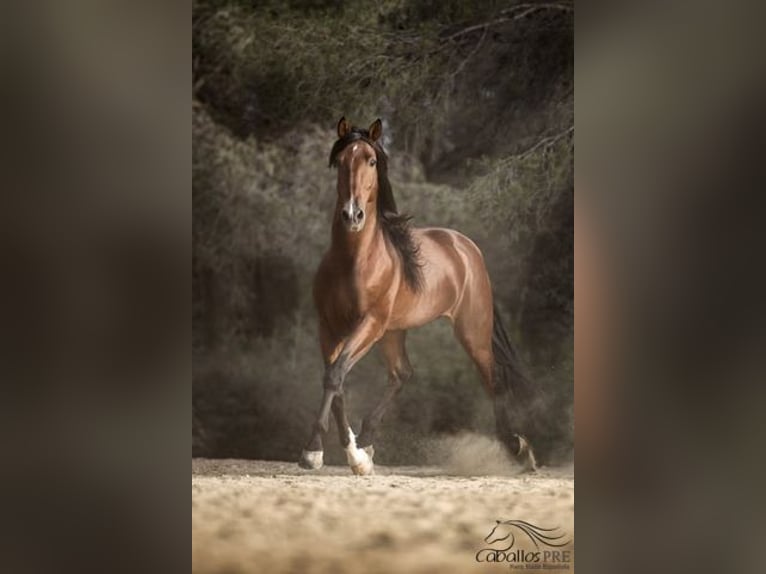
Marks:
<point>258,516</point>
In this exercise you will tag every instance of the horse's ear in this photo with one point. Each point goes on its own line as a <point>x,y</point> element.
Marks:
<point>344,126</point>
<point>376,130</point>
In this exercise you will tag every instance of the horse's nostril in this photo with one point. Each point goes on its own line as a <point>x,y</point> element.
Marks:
<point>352,214</point>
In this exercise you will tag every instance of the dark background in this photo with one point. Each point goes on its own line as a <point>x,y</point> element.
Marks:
<point>477,102</point>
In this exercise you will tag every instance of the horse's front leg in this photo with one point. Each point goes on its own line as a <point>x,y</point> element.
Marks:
<point>358,459</point>
<point>366,334</point>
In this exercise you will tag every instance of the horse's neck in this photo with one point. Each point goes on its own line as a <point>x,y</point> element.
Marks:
<point>357,248</point>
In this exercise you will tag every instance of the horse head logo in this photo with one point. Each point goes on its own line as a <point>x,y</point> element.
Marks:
<point>502,534</point>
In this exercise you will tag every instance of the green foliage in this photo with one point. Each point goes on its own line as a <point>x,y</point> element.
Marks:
<point>252,196</point>
<point>530,197</point>
<point>405,14</point>
<point>266,68</point>
<point>520,192</point>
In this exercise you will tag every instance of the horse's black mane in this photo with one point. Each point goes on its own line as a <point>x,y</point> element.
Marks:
<point>396,227</point>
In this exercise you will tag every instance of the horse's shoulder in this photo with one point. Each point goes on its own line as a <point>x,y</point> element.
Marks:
<point>324,278</point>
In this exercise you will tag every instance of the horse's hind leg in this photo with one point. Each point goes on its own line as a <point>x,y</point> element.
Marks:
<point>473,328</point>
<point>399,372</point>
<point>473,325</point>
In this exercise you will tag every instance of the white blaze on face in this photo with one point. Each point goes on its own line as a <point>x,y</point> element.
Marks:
<point>349,208</point>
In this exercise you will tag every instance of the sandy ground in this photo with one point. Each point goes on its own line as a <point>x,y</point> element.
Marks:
<point>273,517</point>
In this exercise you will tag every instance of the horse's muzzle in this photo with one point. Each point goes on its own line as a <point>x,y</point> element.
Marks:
<point>353,216</point>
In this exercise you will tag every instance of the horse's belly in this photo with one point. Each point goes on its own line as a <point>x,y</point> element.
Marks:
<point>419,316</point>
<point>437,299</point>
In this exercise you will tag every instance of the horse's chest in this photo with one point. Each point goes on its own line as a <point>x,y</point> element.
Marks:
<point>345,299</point>
<point>357,293</point>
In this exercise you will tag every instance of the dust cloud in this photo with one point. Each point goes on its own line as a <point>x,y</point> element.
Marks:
<point>472,454</point>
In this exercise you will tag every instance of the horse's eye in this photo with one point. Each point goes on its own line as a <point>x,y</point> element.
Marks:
<point>373,161</point>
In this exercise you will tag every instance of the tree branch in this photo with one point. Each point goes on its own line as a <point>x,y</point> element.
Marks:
<point>470,55</point>
<point>526,10</point>
<point>545,142</point>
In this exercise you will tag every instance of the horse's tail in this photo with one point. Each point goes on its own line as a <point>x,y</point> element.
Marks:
<point>518,399</point>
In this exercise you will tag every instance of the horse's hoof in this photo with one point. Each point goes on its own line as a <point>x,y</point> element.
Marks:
<point>526,455</point>
<point>311,459</point>
<point>360,461</point>
<point>364,468</point>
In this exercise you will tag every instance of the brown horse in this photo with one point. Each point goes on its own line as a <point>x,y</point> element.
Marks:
<point>382,277</point>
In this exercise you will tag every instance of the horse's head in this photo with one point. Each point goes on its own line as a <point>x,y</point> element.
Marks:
<point>500,532</point>
<point>356,156</point>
